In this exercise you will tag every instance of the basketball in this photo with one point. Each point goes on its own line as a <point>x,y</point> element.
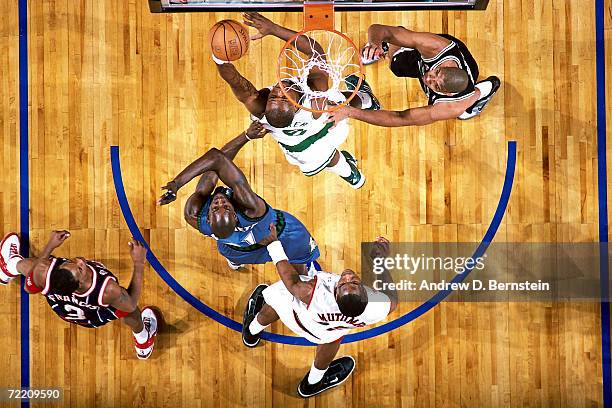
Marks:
<point>229,40</point>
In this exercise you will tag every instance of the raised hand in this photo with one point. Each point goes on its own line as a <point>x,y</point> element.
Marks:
<point>270,238</point>
<point>57,238</point>
<point>339,115</point>
<point>170,195</point>
<point>260,23</point>
<point>138,251</point>
<point>256,131</point>
<point>380,248</point>
<point>372,51</point>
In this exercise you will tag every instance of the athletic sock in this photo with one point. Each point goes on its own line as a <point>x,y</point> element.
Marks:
<point>11,264</point>
<point>142,337</point>
<point>366,100</point>
<point>341,168</point>
<point>315,375</point>
<point>255,327</point>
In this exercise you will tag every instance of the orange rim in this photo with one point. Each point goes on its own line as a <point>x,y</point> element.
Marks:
<point>287,94</point>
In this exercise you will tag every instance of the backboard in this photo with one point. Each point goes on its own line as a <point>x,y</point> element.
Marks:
<point>169,6</point>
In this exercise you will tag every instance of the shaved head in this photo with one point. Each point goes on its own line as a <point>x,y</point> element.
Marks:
<point>221,216</point>
<point>454,80</point>
<point>351,295</point>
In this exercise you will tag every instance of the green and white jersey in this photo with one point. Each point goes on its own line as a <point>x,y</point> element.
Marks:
<point>303,132</point>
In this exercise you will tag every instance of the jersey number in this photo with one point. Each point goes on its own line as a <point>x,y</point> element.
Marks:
<point>297,132</point>
<point>74,313</point>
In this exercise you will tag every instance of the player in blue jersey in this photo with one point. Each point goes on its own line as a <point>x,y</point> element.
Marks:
<point>235,216</point>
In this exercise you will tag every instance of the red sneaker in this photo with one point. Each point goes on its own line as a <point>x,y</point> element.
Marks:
<point>149,319</point>
<point>9,248</point>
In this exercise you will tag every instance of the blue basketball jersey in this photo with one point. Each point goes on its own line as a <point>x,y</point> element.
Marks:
<point>242,247</point>
<point>248,231</point>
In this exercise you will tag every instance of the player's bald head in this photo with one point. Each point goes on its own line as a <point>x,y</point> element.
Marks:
<point>351,295</point>
<point>279,109</point>
<point>454,79</point>
<point>221,216</point>
<point>280,115</point>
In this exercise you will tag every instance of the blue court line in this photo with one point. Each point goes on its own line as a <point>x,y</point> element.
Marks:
<point>279,338</point>
<point>24,191</point>
<point>602,184</point>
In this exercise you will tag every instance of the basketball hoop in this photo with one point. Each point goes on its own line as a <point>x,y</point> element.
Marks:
<point>323,50</point>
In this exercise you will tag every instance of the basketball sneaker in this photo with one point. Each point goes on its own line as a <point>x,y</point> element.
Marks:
<point>487,88</point>
<point>254,305</point>
<point>339,370</point>
<point>9,249</point>
<point>356,179</point>
<point>351,82</point>
<point>149,320</point>
<point>375,59</point>
<point>234,266</point>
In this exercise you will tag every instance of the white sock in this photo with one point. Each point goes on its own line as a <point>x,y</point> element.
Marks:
<point>315,375</point>
<point>11,264</point>
<point>366,100</point>
<point>255,327</point>
<point>143,336</point>
<point>341,168</point>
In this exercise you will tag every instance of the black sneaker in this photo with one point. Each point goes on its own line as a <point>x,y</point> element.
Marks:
<point>356,179</point>
<point>351,82</point>
<point>254,305</point>
<point>338,371</point>
<point>480,104</point>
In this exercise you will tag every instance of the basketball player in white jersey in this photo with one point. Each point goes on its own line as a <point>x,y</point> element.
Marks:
<point>304,137</point>
<point>322,308</point>
<point>445,68</point>
<point>83,292</point>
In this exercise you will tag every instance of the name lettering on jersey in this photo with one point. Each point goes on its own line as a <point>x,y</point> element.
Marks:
<point>72,299</point>
<point>326,318</point>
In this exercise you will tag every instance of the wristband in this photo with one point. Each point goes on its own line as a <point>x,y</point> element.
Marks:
<point>246,134</point>
<point>276,251</point>
<point>219,61</point>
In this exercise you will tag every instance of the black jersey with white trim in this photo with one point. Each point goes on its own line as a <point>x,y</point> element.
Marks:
<point>86,309</point>
<point>457,52</point>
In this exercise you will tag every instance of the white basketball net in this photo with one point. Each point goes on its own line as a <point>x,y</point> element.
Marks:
<point>337,56</point>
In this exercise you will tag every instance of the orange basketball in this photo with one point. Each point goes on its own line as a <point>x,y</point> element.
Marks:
<point>229,40</point>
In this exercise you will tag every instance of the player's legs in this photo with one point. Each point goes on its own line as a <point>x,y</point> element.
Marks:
<point>323,357</point>
<point>257,316</point>
<point>345,165</point>
<point>144,326</point>
<point>134,321</point>
<point>364,98</point>
<point>326,372</point>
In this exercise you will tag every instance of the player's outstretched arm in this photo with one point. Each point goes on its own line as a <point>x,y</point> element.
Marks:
<point>380,249</point>
<point>420,116</point>
<point>266,27</point>
<point>216,164</point>
<point>123,299</point>
<point>243,89</point>
<point>290,277</point>
<point>428,44</point>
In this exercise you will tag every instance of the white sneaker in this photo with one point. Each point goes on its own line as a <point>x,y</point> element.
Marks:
<point>149,320</point>
<point>9,248</point>
<point>234,266</point>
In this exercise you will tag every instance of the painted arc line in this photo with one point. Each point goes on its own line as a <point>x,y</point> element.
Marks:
<point>299,341</point>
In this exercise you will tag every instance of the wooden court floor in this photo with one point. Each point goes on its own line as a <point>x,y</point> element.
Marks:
<point>107,72</point>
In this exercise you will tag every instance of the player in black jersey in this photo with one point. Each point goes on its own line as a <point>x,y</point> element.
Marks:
<point>445,68</point>
<point>83,292</point>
